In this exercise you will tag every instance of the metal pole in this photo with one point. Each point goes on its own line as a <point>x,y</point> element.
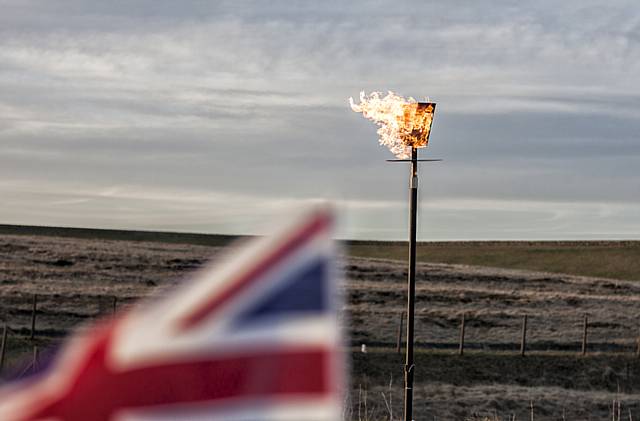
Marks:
<point>409,367</point>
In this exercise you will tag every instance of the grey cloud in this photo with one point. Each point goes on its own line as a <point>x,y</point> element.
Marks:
<point>536,102</point>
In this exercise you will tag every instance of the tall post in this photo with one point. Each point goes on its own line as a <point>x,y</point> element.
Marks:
<point>409,367</point>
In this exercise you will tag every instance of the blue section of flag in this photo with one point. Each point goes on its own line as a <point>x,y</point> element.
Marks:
<point>305,291</point>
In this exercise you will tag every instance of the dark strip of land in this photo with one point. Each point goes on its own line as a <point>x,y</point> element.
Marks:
<point>214,240</point>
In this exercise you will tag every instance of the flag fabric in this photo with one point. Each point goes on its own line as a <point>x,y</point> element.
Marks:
<point>254,338</point>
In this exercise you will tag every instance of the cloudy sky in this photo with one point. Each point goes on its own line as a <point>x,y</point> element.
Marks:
<point>213,116</point>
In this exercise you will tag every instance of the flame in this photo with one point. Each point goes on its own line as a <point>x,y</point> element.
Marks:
<point>404,122</point>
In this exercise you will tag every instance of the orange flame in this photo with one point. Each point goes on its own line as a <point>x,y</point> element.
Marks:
<point>404,122</point>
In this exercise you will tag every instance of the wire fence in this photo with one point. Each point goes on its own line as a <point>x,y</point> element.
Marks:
<point>34,321</point>
<point>486,331</point>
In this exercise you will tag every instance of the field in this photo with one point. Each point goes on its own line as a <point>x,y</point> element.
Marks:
<point>607,259</point>
<point>76,280</point>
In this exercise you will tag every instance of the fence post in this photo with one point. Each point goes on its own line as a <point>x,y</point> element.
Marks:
<point>585,327</point>
<point>34,310</point>
<point>523,340</point>
<point>627,372</point>
<point>3,347</point>
<point>115,304</point>
<point>399,341</point>
<point>35,358</point>
<point>461,349</point>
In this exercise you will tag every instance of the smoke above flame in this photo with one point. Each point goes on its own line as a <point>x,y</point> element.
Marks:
<point>403,122</point>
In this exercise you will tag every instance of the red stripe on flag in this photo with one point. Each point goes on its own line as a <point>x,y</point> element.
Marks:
<point>319,223</point>
<point>99,392</point>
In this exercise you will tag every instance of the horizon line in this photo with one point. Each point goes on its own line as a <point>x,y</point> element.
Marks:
<point>189,237</point>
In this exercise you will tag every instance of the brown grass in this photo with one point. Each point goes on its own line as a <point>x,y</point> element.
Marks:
<point>77,278</point>
<point>497,386</point>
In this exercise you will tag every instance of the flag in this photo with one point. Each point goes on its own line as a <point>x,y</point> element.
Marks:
<point>255,338</point>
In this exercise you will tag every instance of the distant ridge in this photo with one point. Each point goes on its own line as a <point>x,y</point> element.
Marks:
<point>224,239</point>
<point>123,235</point>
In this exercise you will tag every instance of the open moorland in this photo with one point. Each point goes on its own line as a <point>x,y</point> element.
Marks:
<point>76,280</point>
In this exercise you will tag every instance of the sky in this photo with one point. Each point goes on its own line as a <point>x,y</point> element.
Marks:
<point>218,116</point>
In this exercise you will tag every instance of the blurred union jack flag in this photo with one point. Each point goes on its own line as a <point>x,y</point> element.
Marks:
<point>254,338</point>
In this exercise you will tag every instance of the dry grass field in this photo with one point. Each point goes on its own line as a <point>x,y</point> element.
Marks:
<point>76,279</point>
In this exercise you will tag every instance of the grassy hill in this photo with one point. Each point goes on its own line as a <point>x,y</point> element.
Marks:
<point>80,275</point>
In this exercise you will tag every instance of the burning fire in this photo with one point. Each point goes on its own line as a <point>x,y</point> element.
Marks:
<point>404,122</point>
